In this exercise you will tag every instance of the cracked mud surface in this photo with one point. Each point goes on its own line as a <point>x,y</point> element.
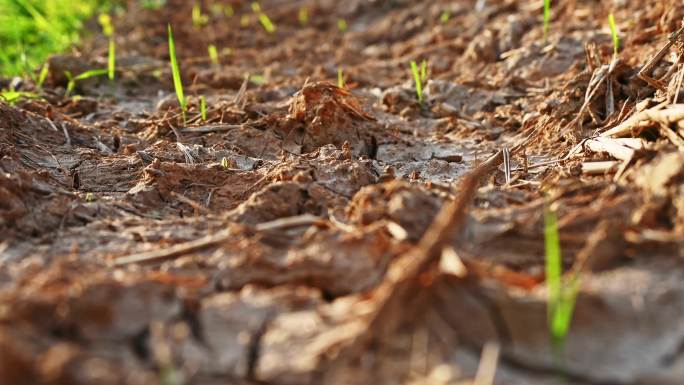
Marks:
<point>249,248</point>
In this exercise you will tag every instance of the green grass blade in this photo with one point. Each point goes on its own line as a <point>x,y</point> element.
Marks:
<point>203,107</point>
<point>266,23</point>
<point>547,19</point>
<point>340,78</point>
<point>91,74</point>
<point>561,295</point>
<point>342,25</point>
<point>614,34</point>
<point>44,71</point>
<point>303,16</point>
<point>213,54</point>
<point>416,79</point>
<point>111,62</point>
<point>175,71</point>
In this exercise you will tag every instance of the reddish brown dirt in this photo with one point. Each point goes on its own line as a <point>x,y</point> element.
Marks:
<point>254,247</point>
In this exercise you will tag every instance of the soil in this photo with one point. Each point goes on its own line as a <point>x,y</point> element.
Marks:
<point>310,234</point>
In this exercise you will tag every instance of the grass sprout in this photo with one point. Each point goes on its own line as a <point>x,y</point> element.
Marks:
<point>111,61</point>
<point>340,77</point>
<point>547,19</point>
<point>175,71</point>
<point>224,162</point>
<point>213,54</point>
<point>244,21</point>
<point>445,16</point>
<point>342,25</point>
<point>419,78</point>
<point>71,85</point>
<point>42,76</point>
<point>11,97</point>
<point>562,293</point>
<point>203,107</point>
<point>257,79</point>
<point>303,16</point>
<point>614,34</point>
<point>263,18</point>
<point>198,18</point>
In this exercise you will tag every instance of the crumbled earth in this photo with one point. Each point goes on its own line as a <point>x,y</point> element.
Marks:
<point>141,246</point>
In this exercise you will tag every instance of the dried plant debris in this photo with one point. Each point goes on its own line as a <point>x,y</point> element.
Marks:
<point>290,231</point>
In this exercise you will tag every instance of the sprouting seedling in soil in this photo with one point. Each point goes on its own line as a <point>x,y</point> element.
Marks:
<point>445,16</point>
<point>417,80</point>
<point>71,84</point>
<point>213,54</point>
<point>263,18</point>
<point>228,11</point>
<point>111,61</point>
<point>423,71</point>
<point>42,76</point>
<point>244,21</point>
<point>89,197</point>
<point>198,19</point>
<point>547,19</point>
<point>257,79</point>
<point>340,78</point>
<point>12,97</point>
<point>562,294</point>
<point>303,16</point>
<point>342,25</point>
<point>614,34</point>
<point>203,108</point>
<point>224,163</point>
<point>108,30</point>
<point>175,71</point>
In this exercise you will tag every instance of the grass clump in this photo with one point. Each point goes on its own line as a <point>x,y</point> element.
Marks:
<point>419,78</point>
<point>562,293</point>
<point>31,30</point>
<point>175,71</point>
<point>614,34</point>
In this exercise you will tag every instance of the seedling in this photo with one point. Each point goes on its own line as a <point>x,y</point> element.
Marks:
<point>213,54</point>
<point>224,163</point>
<point>445,16</point>
<point>203,107</point>
<point>108,30</point>
<point>44,71</point>
<point>340,78</point>
<point>263,18</point>
<point>614,34</point>
<point>85,75</point>
<point>89,197</point>
<point>175,71</point>
<point>111,62</point>
<point>244,21</point>
<point>342,25</point>
<point>303,16</point>
<point>547,19</point>
<point>419,77</point>
<point>11,97</point>
<point>257,79</point>
<point>198,19</point>
<point>562,294</point>
<point>228,11</point>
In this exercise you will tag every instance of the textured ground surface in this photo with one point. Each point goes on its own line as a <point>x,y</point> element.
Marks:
<point>254,247</point>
